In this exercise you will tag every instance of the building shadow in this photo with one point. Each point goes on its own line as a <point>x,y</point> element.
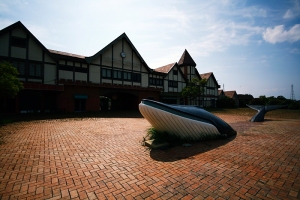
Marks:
<point>6,118</point>
<point>181,152</point>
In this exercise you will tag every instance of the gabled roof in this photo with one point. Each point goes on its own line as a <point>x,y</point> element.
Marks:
<point>208,75</point>
<point>55,55</point>
<point>230,94</point>
<point>166,68</point>
<point>186,59</point>
<point>122,36</point>
<point>20,25</point>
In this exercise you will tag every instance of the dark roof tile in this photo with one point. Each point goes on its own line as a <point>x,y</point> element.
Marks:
<point>165,69</point>
<point>186,59</point>
<point>66,54</point>
<point>220,92</point>
<point>206,75</point>
<point>230,94</point>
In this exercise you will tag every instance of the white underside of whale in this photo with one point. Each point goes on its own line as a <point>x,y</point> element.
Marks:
<point>177,125</point>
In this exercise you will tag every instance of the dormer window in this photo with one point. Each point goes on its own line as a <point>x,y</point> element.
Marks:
<point>175,72</point>
<point>18,42</point>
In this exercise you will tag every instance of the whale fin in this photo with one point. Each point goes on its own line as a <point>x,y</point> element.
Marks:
<point>256,107</point>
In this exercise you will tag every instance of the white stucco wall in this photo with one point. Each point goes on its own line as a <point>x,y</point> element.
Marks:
<point>65,74</point>
<point>18,52</point>
<point>94,72</point>
<point>35,51</point>
<point>79,76</point>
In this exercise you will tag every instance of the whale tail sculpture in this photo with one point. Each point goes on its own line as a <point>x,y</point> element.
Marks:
<point>262,110</point>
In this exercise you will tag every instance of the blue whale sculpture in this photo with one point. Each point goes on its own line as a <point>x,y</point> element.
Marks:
<point>262,110</point>
<point>184,121</point>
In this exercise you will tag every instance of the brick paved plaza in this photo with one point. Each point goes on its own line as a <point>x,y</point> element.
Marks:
<point>102,158</point>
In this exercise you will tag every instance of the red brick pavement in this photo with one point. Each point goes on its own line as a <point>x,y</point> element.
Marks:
<point>102,158</point>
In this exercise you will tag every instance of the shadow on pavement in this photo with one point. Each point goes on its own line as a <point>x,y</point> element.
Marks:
<point>9,118</point>
<point>180,152</point>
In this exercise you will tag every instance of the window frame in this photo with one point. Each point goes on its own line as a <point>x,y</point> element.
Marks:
<point>106,73</point>
<point>136,77</point>
<point>127,76</point>
<point>37,69</point>
<point>156,81</point>
<point>173,84</point>
<point>18,42</point>
<point>16,64</point>
<point>117,75</point>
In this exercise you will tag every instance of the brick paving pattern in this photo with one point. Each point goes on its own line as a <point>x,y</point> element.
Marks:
<point>102,158</point>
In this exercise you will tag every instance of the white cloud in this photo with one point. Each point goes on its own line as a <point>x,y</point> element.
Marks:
<point>293,12</point>
<point>223,34</point>
<point>279,34</point>
<point>289,14</point>
<point>295,51</point>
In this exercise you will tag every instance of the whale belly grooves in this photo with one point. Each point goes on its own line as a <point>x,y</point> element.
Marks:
<point>187,122</point>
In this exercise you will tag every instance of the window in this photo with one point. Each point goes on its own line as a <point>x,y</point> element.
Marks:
<point>159,82</point>
<point>136,77</point>
<point>19,42</point>
<point>156,81</point>
<point>173,84</point>
<point>127,76</point>
<point>175,72</point>
<point>35,69</point>
<point>151,81</point>
<point>117,74</point>
<point>20,66</point>
<point>106,73</point>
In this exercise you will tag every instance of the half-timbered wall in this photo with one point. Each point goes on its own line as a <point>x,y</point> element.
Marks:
<point>189,72</point>
<point>156,81</point>
<point>4,41</point>
<point>18,51</point>
<point>211,87</point>
<point>39,65</point>
<point>35,51</point>
<point>33,64</point>
<point>174,82</point>
<point>111,68</point>
<point>211,92</point>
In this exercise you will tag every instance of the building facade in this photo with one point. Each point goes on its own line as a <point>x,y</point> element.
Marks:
<point>211,90</point>
<point>116,77</point>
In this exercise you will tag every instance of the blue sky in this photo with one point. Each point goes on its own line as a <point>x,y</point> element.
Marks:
<point>251,46</point>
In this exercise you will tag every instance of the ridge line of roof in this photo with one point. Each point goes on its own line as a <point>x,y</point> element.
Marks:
<point>66,54</point>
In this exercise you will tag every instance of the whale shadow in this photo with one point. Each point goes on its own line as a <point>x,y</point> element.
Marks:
<point>181,152</point>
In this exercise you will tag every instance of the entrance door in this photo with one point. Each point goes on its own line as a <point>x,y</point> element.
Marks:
<point>80,103</point>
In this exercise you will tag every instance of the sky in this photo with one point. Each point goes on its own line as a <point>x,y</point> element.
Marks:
<point>251,46</point>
